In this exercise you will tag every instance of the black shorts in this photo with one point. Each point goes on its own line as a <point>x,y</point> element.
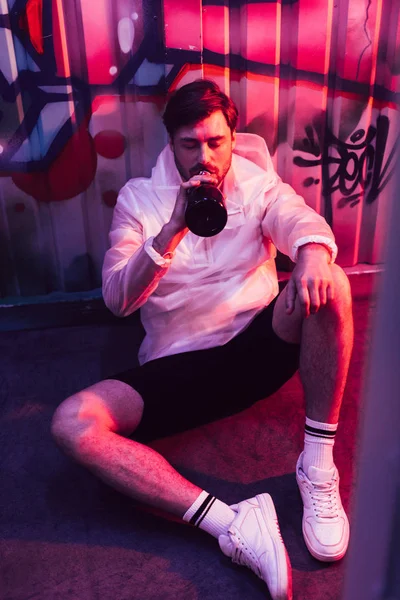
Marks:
<point>189,389</point>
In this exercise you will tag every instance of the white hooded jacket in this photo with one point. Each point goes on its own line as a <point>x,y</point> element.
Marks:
<point>212,288</point>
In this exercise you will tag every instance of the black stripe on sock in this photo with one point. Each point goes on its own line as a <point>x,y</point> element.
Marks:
<point>320,437</point>
<point>319,432</point>
<point>200,510</point>
<point>205,512</point>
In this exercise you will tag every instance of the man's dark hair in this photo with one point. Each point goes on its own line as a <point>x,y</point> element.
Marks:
<point>196,101</point>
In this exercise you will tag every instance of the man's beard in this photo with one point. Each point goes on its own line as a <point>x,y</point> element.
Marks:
<point>203,167</point>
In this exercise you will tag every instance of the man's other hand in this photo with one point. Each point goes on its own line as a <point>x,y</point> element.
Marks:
<point>311,280</point>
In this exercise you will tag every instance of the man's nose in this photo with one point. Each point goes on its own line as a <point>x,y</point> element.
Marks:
<point>204,154</point>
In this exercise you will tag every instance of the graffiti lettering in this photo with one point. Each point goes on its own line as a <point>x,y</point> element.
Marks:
<point>359,168</point>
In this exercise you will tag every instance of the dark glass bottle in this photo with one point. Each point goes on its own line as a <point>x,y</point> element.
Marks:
<point>205,213</point>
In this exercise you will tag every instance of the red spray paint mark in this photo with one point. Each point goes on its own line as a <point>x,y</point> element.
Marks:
<point>31,21</point>
<point>69,175</point>
<point>110,144</point>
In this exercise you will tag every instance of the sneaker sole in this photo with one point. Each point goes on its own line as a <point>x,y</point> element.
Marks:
<point>284,587</point>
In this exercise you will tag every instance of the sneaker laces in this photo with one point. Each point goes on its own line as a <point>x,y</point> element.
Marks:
<point>324,496</point>
<point>241,557</point>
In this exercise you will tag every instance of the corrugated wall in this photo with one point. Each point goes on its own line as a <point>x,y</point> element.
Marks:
<point>82,87</point>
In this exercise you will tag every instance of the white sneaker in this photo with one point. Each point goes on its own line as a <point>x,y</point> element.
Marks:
<point>254,540</point>
<point>325,524</point>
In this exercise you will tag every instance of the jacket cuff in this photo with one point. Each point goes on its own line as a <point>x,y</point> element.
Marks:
<point>161,261</point>
<point>315,239</point>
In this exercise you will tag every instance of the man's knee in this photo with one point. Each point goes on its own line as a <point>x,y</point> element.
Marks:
<point>67,424</point>
<point>106,406</point>
<point>341,286</point>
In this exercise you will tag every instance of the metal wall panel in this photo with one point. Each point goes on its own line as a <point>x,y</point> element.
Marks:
<point>82,89</point>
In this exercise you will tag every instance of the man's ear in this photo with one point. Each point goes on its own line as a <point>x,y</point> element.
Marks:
<point>233,139</point>
<point>171,143</point>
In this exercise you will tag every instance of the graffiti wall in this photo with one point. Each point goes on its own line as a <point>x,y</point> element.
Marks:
<point>82,89</point>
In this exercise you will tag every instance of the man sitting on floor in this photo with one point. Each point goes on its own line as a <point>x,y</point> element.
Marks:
<point>219,333</point>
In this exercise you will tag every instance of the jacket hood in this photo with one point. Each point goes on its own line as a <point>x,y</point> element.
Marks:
<point>249,146</point>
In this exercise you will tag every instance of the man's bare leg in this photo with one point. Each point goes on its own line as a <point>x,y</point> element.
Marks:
<point>326,343</point>
<point>89,427</point>
<point>326,339</point>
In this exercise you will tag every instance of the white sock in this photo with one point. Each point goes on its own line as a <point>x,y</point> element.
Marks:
<point>210,514</point>
<point>319,439</point>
